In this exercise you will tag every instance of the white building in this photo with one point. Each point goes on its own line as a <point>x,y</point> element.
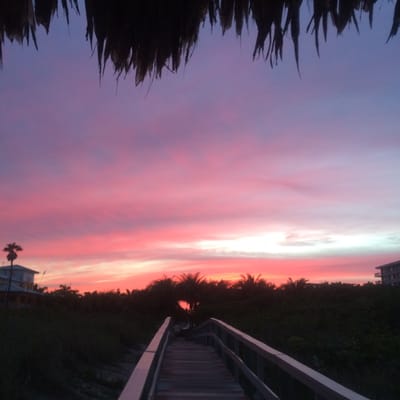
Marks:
<point>22,279</point>
<point>389,273</point>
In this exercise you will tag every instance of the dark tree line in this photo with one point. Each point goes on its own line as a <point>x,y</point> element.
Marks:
<point>349,332</point>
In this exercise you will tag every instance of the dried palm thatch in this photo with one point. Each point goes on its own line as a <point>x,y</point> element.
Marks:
<point>144,35</point>
<point>149,36</point>
<point>19,18</point>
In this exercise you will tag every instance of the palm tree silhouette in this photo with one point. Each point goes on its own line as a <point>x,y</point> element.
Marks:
<point>190,286</point>
<point>249,283</point>
<point>11,249</point>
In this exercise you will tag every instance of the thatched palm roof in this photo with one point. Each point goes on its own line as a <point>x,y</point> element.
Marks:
<point>149,35</point>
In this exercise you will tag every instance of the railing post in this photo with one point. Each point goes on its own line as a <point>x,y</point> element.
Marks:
<point>223,338</point>
<point>260,374</point>
<point>260,367</point>
<point>218,336</point>
<point>236,348</point>
<point>213,330</point>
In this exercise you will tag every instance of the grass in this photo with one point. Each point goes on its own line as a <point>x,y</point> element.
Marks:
<point>43,349</point>
<point>350,334</point>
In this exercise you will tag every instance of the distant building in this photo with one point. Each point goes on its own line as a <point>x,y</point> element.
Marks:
<point>22,279</point>
<point>389,273</point>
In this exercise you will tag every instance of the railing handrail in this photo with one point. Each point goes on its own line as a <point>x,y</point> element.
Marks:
<point>142,376</point>
<point>317,382</point>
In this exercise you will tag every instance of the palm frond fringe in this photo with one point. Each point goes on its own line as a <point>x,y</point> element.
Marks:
<point>149,36</point>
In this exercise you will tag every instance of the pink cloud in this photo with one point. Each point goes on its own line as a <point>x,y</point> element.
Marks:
<point>90,174</point>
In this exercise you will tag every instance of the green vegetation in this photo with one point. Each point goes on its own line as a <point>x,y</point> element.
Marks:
<point>351,333</point>
<point>50,348</point>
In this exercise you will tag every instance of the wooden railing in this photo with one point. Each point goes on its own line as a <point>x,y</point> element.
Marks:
<point>267,373</point>
<point>141,384</point>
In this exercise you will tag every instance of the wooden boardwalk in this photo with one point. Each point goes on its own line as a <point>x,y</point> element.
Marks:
<point>194,371</point>
<point>177,368</point>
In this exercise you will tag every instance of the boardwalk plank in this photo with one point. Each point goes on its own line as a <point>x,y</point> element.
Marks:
<point>193,371</point>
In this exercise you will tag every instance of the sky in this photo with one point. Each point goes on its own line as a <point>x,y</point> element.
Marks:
<point>227,167</point>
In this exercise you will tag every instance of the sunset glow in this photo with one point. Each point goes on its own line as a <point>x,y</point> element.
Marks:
<point>226,168</point>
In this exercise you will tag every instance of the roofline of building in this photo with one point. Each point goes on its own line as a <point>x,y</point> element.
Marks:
<point>388,264</point>
<point>17,266</point>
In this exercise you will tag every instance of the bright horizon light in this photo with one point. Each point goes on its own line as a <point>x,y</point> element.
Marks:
<point>307,243</point>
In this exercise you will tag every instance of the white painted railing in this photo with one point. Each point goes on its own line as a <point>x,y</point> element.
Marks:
<point>141,383</point>
<point>250,358</point>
